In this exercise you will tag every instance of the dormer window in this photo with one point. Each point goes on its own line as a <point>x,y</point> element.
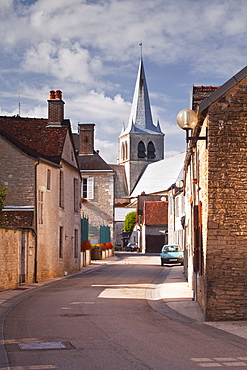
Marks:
<point>151,150</point>
<point>141,150</point>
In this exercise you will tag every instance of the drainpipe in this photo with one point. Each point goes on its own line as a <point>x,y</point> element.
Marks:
<point>35,224</point>
<point>194,173</point>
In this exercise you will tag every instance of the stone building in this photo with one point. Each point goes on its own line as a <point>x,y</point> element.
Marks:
<point>216,203</point>
<point>97,189</point>
<point>141,142</point>
<point>38,165</point>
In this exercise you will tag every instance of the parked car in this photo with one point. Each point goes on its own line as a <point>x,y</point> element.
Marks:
<point>172,253</point>
<point>132,247</point>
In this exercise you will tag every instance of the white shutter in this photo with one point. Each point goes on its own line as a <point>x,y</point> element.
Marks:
<point>90,188</point>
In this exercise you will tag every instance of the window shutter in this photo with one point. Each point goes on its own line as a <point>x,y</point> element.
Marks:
<point>90,188</point>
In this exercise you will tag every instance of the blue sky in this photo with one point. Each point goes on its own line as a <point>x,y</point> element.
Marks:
<point>90,50</point>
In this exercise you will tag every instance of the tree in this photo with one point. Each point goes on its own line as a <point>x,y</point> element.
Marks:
<point>129,222</point>
<point>3,195</point>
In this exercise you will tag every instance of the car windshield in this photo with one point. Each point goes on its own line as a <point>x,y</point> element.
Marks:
<point>172,248</point>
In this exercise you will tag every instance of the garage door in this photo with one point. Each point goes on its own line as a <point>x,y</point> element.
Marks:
<point>154,243</point>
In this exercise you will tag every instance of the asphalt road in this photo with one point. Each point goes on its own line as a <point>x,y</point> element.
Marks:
<point>104,320</point>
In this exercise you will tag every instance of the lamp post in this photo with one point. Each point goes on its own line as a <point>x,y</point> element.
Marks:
<point>187,120</point>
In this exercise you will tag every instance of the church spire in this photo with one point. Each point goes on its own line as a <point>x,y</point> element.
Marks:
<point>140,114</point>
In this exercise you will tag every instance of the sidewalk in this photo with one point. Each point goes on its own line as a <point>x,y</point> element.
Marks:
<point>174,291</point>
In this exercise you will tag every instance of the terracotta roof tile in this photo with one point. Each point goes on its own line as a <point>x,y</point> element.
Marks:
<point>32,136</point>
<point>155,213</point>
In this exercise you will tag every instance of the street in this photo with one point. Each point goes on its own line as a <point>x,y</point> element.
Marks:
<point>105,320</point>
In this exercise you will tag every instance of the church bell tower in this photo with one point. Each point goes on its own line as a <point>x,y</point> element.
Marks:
<point>141,142</point>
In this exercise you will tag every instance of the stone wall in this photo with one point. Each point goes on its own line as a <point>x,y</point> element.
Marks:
<point>224,279</point>
<point>13,261</point>
<point>100,210</point>
<point>17,176</point>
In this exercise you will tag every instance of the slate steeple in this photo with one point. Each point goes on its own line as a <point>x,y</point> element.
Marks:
<point>140,119</point>
<point>141,142</point>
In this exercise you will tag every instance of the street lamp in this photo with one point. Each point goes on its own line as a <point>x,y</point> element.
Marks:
<point>187,120</point>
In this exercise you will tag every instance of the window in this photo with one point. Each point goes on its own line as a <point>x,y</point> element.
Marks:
<point>151,150</point>
<point>87,190</point>
<point>48,180</point>
<point>40,206</point>
<point>76,249</point>
<point>61,190</point>
<point>123,152</point>
<point>141,150</point>
<point>76,196</point>
<point>61,242</point>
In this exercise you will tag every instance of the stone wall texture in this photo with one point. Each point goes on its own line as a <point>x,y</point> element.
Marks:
<point>17,176</point>
<point>11,261</point>
<point>100,210</point>
<point>222,286</point>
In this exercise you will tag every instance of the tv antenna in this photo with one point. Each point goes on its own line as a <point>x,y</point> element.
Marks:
<point>19,100</point>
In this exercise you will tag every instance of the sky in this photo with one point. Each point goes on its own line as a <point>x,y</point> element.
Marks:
<point>90,50</point>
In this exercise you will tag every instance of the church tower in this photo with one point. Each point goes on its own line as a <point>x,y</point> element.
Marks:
<point>141,142</point>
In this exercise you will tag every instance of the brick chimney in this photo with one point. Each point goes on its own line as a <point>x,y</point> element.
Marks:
<point>55,109</point>
<point>86,137</point>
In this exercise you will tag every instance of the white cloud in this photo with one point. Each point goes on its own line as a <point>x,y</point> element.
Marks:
<point>89,50</point>
<point>63,62</point>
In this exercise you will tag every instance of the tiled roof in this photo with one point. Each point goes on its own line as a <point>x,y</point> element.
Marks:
<point>32,136</point>
<point>92,162</point>
<point>201,92</point>
<point>18,218</point>
<point>156,213</point>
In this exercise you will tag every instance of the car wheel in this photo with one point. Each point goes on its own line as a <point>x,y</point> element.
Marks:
<point>162,262</point>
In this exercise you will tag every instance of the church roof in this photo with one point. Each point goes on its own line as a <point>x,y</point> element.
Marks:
<point>140,120</point>
<point>159,176</point>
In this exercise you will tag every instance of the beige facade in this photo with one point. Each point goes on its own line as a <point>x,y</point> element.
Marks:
<point>58,223</point>
<point>216,212</point>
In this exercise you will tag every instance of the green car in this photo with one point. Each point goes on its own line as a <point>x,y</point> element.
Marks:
<point>172,254</point>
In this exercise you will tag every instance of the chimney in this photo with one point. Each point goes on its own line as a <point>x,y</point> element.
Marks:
<point>86,137</point>
<point>55,109</point>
